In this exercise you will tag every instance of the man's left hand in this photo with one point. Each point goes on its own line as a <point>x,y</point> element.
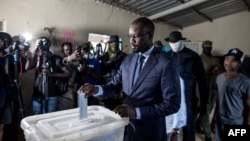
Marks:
<point>125,110</point>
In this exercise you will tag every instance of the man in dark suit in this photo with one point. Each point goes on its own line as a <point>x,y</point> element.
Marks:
<point>151,97</point>
<point>192,72</point>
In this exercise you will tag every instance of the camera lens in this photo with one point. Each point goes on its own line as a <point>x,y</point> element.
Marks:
<point>40,42</point>
<point>45,44</point>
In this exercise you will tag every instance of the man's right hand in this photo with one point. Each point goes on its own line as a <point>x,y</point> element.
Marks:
<point>88,89</point>
<point>74,56</point>
<point>212,126</point>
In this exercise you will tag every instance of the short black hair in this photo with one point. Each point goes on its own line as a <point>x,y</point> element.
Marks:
<point>86,46</point>
<point>6,38</point>
<point>158,43</point>
<point>148,25</point>
<point>207,43</point>
<point>68,44</point>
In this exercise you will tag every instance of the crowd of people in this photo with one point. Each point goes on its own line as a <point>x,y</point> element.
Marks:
<point>167,93</point>
<point>56,77</point>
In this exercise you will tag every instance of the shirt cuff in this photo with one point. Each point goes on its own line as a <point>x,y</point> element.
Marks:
<point>138,113</point>
<point>100,91</point>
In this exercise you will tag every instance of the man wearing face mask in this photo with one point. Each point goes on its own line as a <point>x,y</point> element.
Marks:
<point>192,72</point>
<point>213,68</point>
<point>112,59</point>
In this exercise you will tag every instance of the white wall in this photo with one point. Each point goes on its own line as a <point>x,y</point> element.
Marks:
<point>84,16</point>
<point>77,16</point>
<point>226,33</point>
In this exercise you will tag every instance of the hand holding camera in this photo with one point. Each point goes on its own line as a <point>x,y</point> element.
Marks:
<point>78,48</point>
<point>75,55</point>
<point>78,51</point>
<point>46,70</point>
<point>43,44</point>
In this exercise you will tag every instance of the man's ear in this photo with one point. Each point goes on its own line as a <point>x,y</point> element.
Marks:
<point>151,35</point>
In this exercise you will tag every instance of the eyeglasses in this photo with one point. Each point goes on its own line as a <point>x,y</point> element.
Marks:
<point>137,36</point>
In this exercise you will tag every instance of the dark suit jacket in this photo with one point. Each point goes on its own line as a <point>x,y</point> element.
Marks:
<point>156,92</point>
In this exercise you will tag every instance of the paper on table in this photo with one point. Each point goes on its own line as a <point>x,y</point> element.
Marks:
<point>83,104</point>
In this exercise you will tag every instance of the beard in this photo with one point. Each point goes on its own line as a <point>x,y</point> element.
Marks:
<point>135,49</point>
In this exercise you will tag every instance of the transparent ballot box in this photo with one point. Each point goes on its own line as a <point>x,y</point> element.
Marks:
<point>101,124</point>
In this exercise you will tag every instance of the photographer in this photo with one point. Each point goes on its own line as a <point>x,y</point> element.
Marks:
<point>21,49</point>
<point>12,62</point>
<point>5,110</point>
<point>49,73</point>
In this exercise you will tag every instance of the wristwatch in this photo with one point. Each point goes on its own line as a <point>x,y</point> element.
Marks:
<point>176,131</point>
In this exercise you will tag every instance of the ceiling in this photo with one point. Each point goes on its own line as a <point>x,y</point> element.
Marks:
<point>180,13</point>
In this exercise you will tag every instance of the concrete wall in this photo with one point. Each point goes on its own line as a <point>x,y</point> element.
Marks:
<point>76,18</point>
<point>80,17</point>
<point>226,33</point>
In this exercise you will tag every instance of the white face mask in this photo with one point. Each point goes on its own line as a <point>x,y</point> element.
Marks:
<point>91,56</point>
<point>85,56</point>
<point>177,46</point>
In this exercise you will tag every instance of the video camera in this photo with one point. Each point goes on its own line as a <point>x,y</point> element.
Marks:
<point>22,46</point>
<point>19,43</point>
<point>43,44</point>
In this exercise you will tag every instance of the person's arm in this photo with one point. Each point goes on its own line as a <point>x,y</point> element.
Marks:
<point>201,79</point>
<point>64,74</point>
<point>31,61</point>
<point>214,118</point>
<point>248,111</point>
<point>247,102</point>
<point>74,56</point>
<point>90,89</point>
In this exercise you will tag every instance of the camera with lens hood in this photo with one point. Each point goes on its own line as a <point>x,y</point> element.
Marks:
<point>44,44</point>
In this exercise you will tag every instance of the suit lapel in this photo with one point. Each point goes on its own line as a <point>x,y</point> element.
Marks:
<point>132,69</point>
<point>152,60</point>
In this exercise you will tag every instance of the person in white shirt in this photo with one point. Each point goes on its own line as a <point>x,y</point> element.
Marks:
<point>176,121</point>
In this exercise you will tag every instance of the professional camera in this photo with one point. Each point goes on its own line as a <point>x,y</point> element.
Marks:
<point>22,46</point>
<point>19,43</point>
<point>43,43</point>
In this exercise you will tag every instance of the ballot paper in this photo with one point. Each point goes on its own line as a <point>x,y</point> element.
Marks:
<point>83,105</point>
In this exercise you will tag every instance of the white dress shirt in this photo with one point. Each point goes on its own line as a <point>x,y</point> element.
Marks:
<point>178,119</point>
